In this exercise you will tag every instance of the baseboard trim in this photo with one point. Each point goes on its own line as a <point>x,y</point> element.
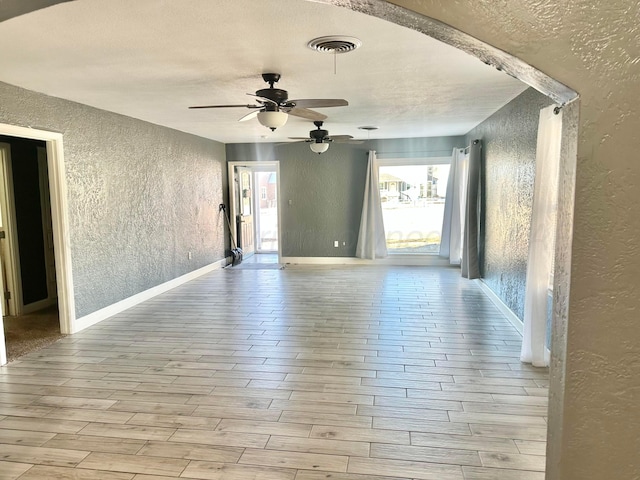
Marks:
<point>104,313</point>
<point>497,301</point>
<point>407,260</point>
<point>35,306</point>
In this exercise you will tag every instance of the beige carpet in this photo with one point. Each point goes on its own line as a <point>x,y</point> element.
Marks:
<point>31,332</point>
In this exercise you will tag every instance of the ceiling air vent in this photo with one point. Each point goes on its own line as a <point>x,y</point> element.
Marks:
<point>334,44</point>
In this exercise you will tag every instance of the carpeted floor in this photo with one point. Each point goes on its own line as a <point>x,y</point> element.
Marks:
<point>31,332</point>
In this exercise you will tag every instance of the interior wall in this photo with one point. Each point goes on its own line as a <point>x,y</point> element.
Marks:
<point>140,196</point>
<point>509,157</point>
<point>321,195</point>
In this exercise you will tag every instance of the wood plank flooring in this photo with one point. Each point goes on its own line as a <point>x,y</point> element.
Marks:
<point>305,373</point>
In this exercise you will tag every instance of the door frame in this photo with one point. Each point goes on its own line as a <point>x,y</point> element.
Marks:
<point>233,209</point>
<point>60,223</point>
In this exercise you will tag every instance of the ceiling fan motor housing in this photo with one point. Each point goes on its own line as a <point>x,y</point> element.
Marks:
<point>318,135</point>
<point>277,95</point>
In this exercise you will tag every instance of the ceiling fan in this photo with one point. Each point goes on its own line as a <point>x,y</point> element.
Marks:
<point>273,106</point>
<point>319,138</point>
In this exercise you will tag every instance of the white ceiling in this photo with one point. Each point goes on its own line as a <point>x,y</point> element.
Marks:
<point>151,59</point>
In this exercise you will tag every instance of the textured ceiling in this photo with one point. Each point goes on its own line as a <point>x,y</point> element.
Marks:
<point>151,59</point>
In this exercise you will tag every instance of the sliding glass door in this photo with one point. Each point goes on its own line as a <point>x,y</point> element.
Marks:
<point>412,192</point>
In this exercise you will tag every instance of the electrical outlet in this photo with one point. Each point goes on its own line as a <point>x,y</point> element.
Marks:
<point>336,244</point>
<point>189,255</point>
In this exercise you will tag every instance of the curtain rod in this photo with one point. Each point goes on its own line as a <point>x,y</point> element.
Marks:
<point>559,108</point>
<point>414,154</point>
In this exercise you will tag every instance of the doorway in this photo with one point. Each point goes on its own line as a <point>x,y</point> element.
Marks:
<point>254,194</point>
<point>54,284</point>
<point>27,265</point>
<point>266,211</point>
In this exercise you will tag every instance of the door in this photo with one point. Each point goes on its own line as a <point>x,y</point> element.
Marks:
<point>244,217</point>
<point>5,153</point>
<point>11,292</point>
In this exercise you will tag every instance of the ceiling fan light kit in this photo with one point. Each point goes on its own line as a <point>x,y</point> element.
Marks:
<point>272,120</point>
<point>319,147</point>
<point>319,138</point>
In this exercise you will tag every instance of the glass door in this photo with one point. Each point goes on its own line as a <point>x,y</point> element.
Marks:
<point>266,211</point>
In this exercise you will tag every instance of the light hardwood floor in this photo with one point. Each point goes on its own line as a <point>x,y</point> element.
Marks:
<point>306,373</point>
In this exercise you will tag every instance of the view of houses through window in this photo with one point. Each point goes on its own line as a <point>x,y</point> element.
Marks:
<point>267,212</point>
<point>412,199</point>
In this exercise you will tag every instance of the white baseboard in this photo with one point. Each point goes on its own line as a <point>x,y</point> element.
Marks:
<point>497,301</point>
<point>104,313</point>
<point>35,306</point>
<point>409,260</point>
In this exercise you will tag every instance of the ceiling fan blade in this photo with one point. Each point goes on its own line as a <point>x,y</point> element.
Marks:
<point>341,138</point>
<point>226,106</point>
<point>249,116</point>
<point>319,102</point>
<point>306,113</point>
<point>263,99</point>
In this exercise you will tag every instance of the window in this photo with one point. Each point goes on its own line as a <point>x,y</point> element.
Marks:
<point>263,193</point>
<point>412,192</point>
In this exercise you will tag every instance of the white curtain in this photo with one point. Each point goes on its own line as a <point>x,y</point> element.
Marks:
<point>372,242</point>
<point>454,207</point>
<point>541,238</point>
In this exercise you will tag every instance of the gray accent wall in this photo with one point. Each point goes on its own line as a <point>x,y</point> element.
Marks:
<point>321,195</point>
<point>509,155</point>
<point>140,196</point>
